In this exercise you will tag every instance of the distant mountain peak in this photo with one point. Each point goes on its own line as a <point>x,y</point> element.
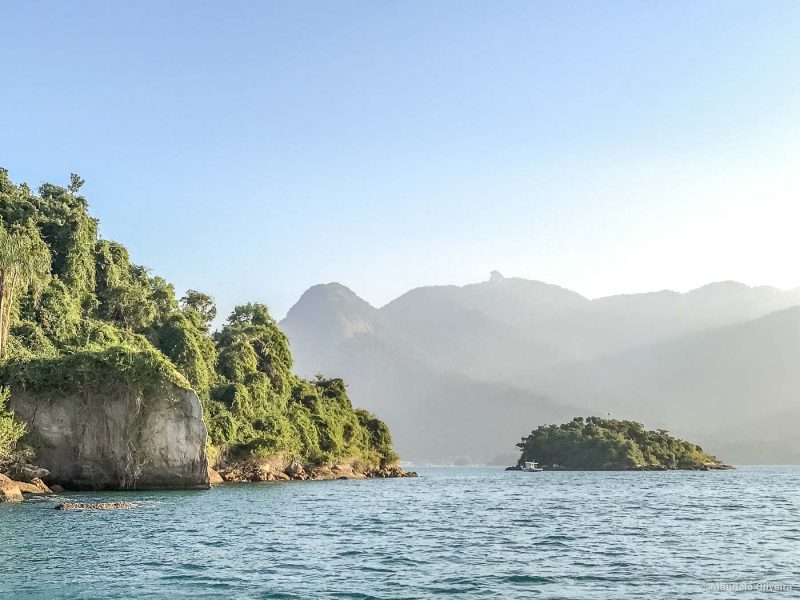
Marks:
<point>332,288</point>
<point>728,285</point>
<point>332,296</point>
<point>331,309</point>
<point>496,276</point>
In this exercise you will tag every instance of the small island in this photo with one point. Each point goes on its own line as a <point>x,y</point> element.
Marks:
<point>596,444</point>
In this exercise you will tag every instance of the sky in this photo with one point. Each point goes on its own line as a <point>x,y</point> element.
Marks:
<point>253,149</point>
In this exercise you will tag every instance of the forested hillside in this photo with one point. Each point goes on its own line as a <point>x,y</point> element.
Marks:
<point>595,443</point>
<point>75,308</point>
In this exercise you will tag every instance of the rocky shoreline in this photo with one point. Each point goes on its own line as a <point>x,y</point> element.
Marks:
<point>276,470</point>
<point>95,505</point>
<point>705,467</point>
<point>24,480</point>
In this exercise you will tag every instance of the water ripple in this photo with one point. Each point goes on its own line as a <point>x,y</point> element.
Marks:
<point>466,533</point>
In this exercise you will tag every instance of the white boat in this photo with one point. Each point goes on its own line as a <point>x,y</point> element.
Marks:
<point>531,466</point>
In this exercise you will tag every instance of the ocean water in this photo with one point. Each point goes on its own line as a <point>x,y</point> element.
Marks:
<point>454,532</point>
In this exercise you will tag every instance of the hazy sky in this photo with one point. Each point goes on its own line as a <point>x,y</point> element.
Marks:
<point>252,149</point>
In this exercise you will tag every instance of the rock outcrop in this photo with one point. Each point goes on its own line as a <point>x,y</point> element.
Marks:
<point>117,440</point>
<point>9,490</point>
<point>296,471</point>
<point>214,478</point>
<point>26,472</point>
<point>37,486</point>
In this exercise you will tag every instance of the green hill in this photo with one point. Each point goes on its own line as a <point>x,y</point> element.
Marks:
<point>609,444</point>
<point>75,308</point>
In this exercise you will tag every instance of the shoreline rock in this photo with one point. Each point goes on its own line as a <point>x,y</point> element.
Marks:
<point>14,491</point>
<point>36,486</point>
<point>275,469</point>
<point>9,491</point>
<point>214,478</point>
<point>95,505</point>
<point>26,472</point>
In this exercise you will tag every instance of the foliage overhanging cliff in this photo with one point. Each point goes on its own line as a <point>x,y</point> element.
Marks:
<point>86,308</point>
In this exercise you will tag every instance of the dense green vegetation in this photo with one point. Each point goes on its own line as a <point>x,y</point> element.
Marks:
<point>78,316</point>
<point>595,443</point>
<point>10,430</point>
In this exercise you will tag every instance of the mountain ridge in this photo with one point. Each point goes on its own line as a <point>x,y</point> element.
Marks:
<point>504,334</point>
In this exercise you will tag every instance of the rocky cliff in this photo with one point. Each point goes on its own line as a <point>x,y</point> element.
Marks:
<point>118,442</point>
<point>111,431</point>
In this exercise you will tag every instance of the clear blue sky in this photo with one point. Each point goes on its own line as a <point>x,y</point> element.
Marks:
<point>252,149</point>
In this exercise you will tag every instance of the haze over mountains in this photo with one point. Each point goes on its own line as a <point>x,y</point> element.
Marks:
<point>460,373</point>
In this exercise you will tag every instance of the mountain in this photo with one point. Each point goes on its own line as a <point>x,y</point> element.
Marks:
<point>387,372</point>
<point>450,367</point>
<point>323,318</point>
<point>490,331</point>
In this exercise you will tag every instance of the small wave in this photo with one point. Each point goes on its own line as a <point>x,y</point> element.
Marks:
<point>529,579</point>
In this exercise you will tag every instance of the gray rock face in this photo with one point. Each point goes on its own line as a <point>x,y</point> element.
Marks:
<point>117,441</point>
<point>27,473</point>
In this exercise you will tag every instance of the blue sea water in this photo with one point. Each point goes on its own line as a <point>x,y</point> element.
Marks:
<point>454,532</point>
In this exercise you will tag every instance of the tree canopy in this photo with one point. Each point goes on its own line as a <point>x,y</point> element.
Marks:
<point>24,267</point>
<point>596,443</point>
<point>10,430</point>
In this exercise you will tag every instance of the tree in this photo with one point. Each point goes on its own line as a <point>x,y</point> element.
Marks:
<point>199,307</point>
<point>251,313</point>
<point>10,430</point>
<point>75,183</point>
<point>24,266</point>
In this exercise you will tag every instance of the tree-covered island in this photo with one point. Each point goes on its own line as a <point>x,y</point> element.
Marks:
<point>115,381</point>
<point>596,444</point>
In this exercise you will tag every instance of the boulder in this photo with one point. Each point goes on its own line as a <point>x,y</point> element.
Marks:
<point>389,471</point>
<point>296,471</point>
<point>262,473</point>
<point>9,491</point>
<point>214,478</point>
<point>247,471</point>
<point>32,488</point>
<point>56,489</point>
<point>27,473</point>
<point>322,473</point>
<point>346,471</point>
<point>232,473</point>
<point>396,471</point>
<point>41,485</point>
